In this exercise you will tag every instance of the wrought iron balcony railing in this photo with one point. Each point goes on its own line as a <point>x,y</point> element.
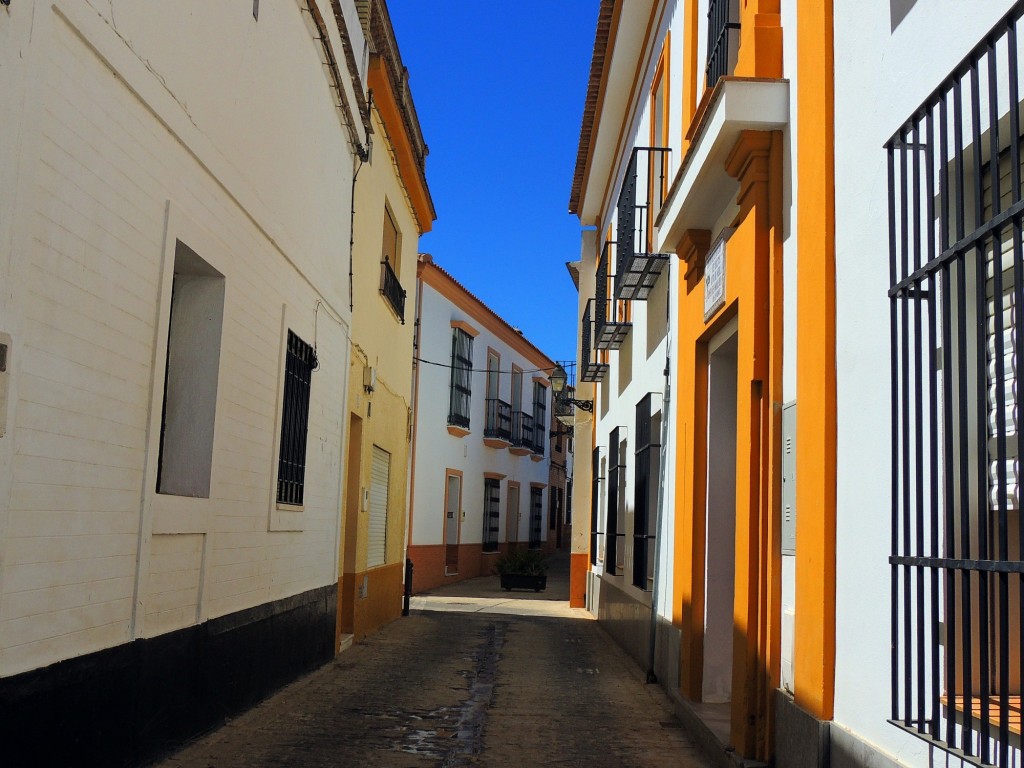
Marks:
<point>391,289</point>
<point>640,200</point>
<point>723,34</point>
<point>590,369</point>
<point>540,436</point>
<point>610,330</point>
<point>498,423</point>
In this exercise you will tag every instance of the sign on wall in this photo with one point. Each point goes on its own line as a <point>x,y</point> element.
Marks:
<point>714,276</point>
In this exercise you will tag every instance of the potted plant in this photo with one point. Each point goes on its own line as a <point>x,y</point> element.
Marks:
<point>523,569</point>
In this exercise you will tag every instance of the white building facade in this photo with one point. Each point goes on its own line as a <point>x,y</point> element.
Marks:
<point>840,554</point>
<point>481,440</point>
<point>928,403</point>
<point>174,241</point>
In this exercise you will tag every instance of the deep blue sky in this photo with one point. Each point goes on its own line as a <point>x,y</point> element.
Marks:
<point>499,90</point>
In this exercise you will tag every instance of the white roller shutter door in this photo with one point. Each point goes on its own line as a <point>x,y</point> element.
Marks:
<point>380,473</point>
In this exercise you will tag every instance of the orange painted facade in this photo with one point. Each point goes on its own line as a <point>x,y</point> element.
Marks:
<point>379,604</point>
<point>754,277</point>
<point>815,631</point>
<point>429,570</point>
<point>746,177</point>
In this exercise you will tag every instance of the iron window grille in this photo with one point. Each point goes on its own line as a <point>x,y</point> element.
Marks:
<point>391,289</point>
<point>956,225</point>
<point>492,513</point>
<point>300,363</point>
<point>644,540</point>
<point>640,199</point>
<point>536,517</point>
<point>723,37</point>
<point>591,368</point>
<point>611,327</point>
<point>540,418</point>
<point>595,496</point>
<point>616,471</point>
<point>461,381</point>
<point>522,430</point>
<point>498,423</point>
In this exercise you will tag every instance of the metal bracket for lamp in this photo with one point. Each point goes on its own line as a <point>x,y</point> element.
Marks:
<point>583,405</point>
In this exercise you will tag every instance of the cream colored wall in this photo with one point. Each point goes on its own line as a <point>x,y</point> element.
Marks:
<point>381,341</point>
<point>385,417</point>
<point>121,145</point>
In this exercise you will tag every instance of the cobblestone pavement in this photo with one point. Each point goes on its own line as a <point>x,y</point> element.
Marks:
<point>472,678</point>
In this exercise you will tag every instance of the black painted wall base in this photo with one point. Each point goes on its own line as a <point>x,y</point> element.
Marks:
<point>127,705</point>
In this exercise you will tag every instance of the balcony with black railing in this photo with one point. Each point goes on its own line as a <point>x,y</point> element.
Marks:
<point>391,289</point>
<point>591,369</point>
<point>522,433</point>
<point>610,326</point>
<point>498,423</point>
<point>540,436</point>
<point>723,39</point>
<point>640,201</point>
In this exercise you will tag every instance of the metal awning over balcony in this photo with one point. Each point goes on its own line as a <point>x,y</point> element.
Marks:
<point>640,199</point>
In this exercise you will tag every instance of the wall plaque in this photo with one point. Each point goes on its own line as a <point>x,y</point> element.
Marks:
<point>714,278</point>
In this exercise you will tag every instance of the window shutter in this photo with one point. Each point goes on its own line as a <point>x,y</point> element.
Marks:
<point>380,473</point>
<point>1001,342</point>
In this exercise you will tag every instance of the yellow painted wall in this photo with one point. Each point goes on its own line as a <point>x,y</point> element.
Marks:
<point>380,341</point>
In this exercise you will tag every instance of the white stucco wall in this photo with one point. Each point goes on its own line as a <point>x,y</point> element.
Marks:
<point>882,76</point>
<point>124,142</point>
<point>437,450</point>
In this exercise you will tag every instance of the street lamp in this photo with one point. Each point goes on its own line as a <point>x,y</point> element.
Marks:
<point>564,403</point>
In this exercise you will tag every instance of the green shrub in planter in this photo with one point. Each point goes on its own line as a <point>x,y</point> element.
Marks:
<point>523,569</point>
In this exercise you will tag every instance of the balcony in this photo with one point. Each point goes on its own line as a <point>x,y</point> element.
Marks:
<point>723,41</point>
<point>610,327</point>
<point>540,436</point>
<point>498,424</point>
<point>640,200</point>
<point>589,370</point>
<point>522,433</point>
<point>391,289</point>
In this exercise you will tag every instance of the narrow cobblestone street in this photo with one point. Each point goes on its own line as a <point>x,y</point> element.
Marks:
<point>474,677</point>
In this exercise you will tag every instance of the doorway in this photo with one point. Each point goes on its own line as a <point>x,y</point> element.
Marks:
<point>720,522</point>
<point>452,522</point>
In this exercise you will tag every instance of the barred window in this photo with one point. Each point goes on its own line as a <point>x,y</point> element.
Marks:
<point>536,517</point>
<point>956,217</point>
<point>645,490</point>
<point>540,418</point>
<point>461,383</point>
<point>298,376</point>
<point>492,513</point>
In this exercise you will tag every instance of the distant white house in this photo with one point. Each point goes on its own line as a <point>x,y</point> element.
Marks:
<point>481,452</point>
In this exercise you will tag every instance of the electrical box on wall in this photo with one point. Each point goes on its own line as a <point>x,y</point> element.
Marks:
<point>5,379</point>
<point>789,479</point>
<point>369,378</point>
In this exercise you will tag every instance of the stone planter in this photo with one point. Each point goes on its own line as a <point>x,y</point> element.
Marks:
<point>510,581</point>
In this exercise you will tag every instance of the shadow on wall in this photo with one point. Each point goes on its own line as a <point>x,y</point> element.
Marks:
<point>898,10</point>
